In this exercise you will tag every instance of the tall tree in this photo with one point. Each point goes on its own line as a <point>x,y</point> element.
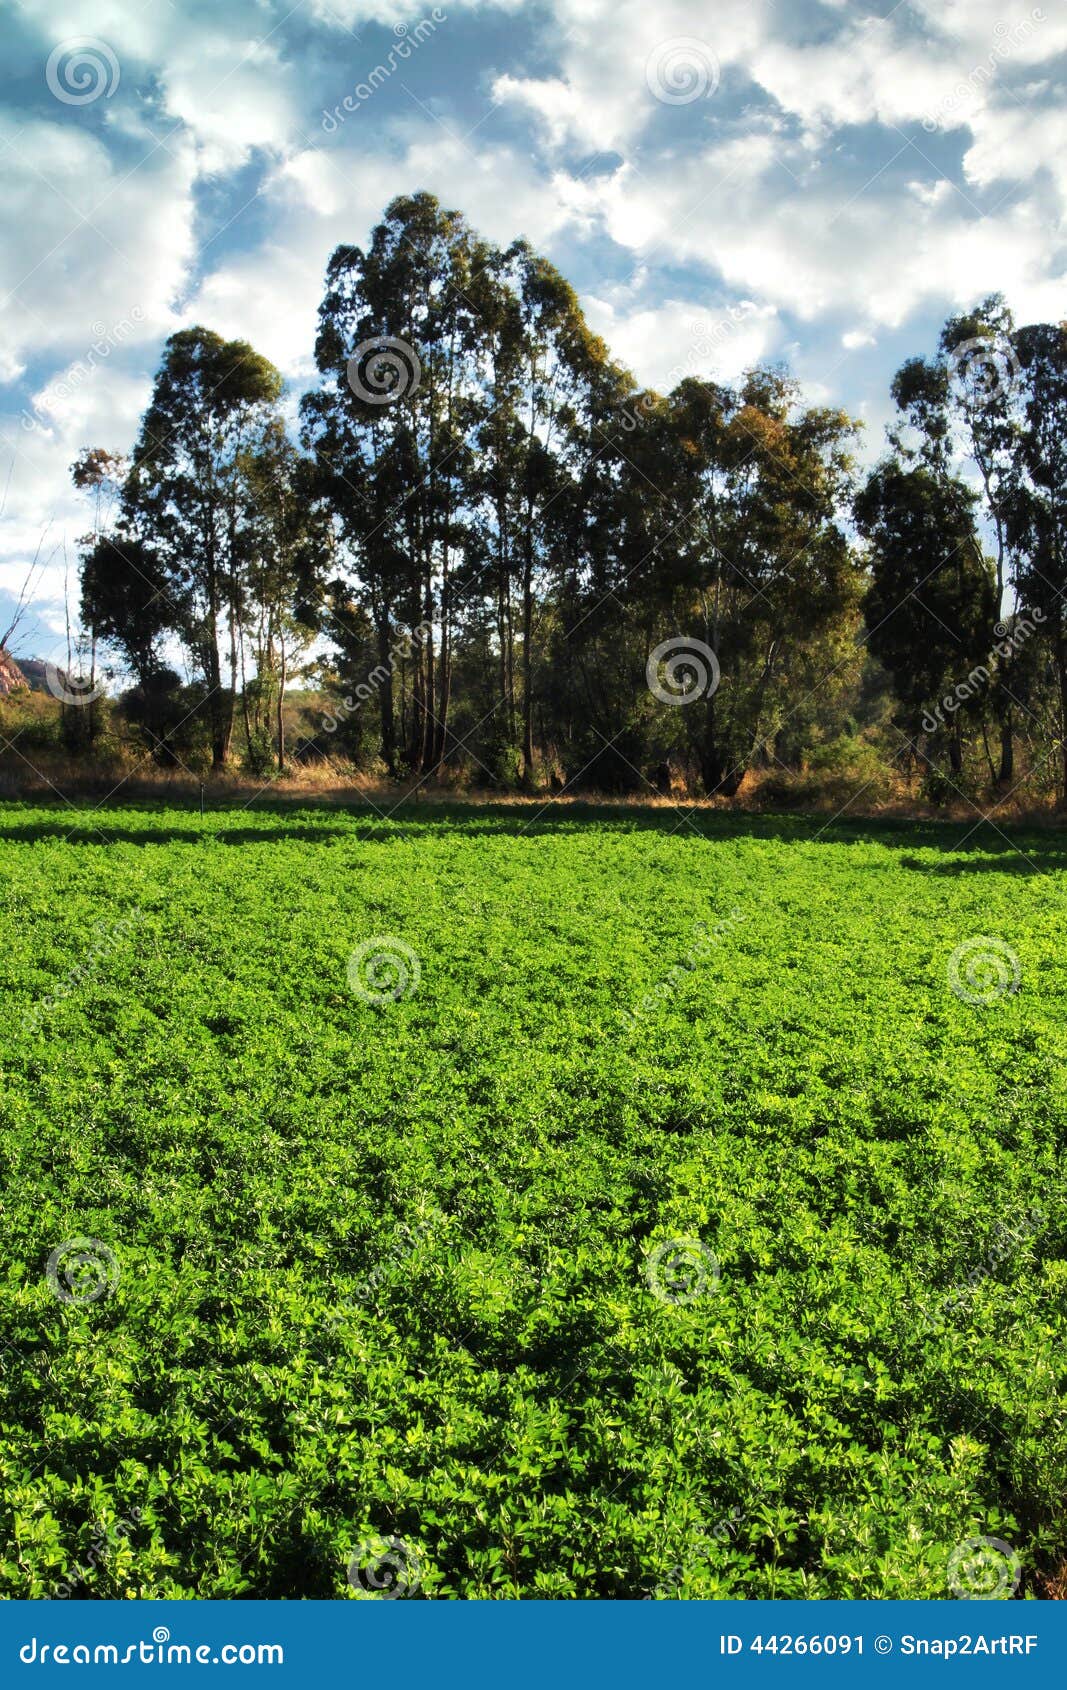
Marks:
<point>390,427</point>
<point>755,560</point>
<point>931,606</point>
<point>1036,513</point>
<point>187,499</point>
<point>962,408</point>
<point>283,586</point>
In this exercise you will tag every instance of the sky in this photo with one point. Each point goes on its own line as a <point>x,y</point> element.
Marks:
<point>814,182</point>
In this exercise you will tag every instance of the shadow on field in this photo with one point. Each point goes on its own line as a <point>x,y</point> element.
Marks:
<point>1028,858</point>
<point>952,848</point>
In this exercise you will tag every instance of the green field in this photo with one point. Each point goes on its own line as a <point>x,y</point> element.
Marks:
<point>576,1270</point>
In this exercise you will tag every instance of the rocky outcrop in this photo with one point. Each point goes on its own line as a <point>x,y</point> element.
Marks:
<point>11,677</point>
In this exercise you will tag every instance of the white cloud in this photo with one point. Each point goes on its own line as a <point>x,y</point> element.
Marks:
<point>232,94</point>
<point>614,55</point>
<point>665,344</point>
<point>95,241</point>
<point>271,296</point>
<point>99,408</point>
<point>768,220</point>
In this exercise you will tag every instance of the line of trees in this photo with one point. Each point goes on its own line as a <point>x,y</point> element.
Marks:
<point>481,531</point>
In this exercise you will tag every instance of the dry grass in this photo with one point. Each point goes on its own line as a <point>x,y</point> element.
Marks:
<point>66,779</point>
<point>33,765</point>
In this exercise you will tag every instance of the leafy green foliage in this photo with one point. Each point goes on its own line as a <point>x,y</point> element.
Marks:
<point>382,1268</point>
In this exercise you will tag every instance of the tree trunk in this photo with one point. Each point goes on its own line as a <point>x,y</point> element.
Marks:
<point>94,720</point>
<point>244,699</point>
<point>216,703</point>
<point>721,778</point>
<point>1007,752</point>
<point>444,672</point>
<point>281,700</point>
<point>425,670</point>
<point>385,697</point>
<point>527,659</point>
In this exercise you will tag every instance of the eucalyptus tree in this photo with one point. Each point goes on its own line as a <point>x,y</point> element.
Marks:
<point>961,410</point>
<point>596,528</point>
<point>283,582</point>
<point>98,473</point>
<point>391,427</point>
<point>1036,512</point>
<point>751,558</point>
<point>931,605</point>
<point>188,502</point>
<point>542,365</point>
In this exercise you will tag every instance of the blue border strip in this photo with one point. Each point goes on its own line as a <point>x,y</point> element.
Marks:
<point>520,1645</point>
